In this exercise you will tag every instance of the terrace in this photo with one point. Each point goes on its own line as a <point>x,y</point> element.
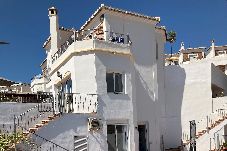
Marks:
<point>94,39</point>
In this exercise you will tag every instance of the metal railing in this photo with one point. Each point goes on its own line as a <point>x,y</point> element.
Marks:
<point>36,113</point>
<point>62,49</point>
<point>39,143</point>
<point>26,120</point>
<point>91,34</point>
<point>15,97</point>
<point>206,124</point>
<point>13,133</point>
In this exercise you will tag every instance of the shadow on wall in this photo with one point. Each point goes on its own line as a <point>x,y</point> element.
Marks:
<point>146,107</point>
<point>62,131</point>
<point>174,88</point>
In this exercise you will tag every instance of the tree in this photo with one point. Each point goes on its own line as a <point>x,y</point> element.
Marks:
<point>171,38</point>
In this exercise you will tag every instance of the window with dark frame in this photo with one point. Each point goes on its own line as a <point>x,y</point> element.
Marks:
<point>156,51</point>
<point>114,82</point>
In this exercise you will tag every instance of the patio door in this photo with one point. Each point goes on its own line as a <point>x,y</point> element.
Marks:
<point>65,87</point>
<point>117,137</point>
<point>143,137</point>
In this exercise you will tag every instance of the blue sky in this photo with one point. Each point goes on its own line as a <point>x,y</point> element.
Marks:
<point>25,25</point>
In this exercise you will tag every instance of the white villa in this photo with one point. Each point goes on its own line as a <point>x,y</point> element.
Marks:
<point>110,84</point>
<point>107,80</point>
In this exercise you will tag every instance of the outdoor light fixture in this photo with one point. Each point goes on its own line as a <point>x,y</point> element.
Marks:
<point>59,74</point>
<point>94,124</point>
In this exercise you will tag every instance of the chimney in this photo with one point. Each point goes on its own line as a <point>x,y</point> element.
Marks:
<point>54,29</point>
<point>182,46</point>
<point>180,61</point>
<point>212,48</point>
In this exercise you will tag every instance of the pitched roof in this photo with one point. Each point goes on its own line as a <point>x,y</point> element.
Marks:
<point>193,50</point>
<point>220,47</point>
<point>103,7</point>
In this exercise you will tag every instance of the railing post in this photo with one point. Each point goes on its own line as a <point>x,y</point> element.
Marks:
<point>15,130</point>
<point>52,100</point>
<point>207,124</point>
<point>212,105</point>
<point>210,144</point>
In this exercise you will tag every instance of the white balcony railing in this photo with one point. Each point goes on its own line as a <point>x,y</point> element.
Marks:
<point>77,103</point>
<point>114,40</point>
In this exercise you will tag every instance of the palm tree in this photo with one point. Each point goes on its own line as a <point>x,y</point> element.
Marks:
<point>171,38</point>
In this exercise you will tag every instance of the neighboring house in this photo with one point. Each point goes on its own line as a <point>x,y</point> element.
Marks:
<point>185,56</point>
<point>190,54</point>
<point>112,69</point>
<point>197,90</point>
<point>20,88</point>
<point>171,59</point>
<point>38,82</point>
<point>14,87</point>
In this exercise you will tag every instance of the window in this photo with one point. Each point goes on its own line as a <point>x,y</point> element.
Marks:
<point>176,63</point>
<point>117,137</point>
<point>192,56</point>
<point>220,52</point>
<point>156,51</point>
<point>114,82</point>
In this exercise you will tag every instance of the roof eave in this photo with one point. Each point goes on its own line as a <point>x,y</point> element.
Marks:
<point>102,8</point>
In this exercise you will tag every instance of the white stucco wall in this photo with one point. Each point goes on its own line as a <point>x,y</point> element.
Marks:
<point>143,73</point>
<point>143,48</point>
<point>218,78</point>
<point>38,84</point>
<point>116,108</point>
<point>188,97</point>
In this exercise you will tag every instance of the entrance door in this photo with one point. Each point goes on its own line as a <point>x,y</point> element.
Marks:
<point>142,137</point>
<point>117,137</point>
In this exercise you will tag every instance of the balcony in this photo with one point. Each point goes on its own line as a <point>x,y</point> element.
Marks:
<point>94,40</point>
<point>77,103</point>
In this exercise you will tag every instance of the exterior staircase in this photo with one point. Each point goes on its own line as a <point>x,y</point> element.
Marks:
<point>27,125</point>
<point>22,136</point>
<point>30,143</point>
<point>205,125</point>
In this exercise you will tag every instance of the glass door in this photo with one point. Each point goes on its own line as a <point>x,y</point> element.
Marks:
<point>117,137</point>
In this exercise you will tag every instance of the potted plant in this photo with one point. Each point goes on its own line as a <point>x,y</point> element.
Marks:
<point>224,146</point>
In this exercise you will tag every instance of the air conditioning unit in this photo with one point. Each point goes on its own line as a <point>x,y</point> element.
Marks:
<point>94,124</point>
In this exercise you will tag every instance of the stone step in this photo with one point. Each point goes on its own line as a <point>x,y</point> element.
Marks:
<point>45,121</point>
<point>51,117</point>
<point>33,130</point>
<point>25,133</point>
<point>57,115</point>
<point>38,125</point>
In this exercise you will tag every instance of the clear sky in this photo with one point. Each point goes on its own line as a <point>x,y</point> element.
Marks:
<point>25,24</point>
